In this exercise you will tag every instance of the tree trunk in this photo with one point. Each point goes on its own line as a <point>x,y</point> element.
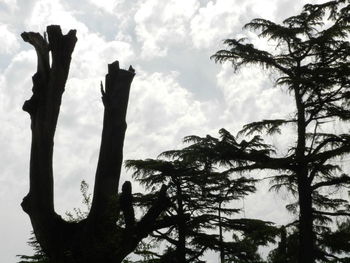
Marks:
<point>282,246</point>
<point>97,238</point>
<point>181,247</point>
<point>221,239</point>
<point>306,235</point>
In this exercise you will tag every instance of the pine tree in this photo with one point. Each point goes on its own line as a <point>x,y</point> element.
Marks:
<point>312,61</point>
<point>201,192</point>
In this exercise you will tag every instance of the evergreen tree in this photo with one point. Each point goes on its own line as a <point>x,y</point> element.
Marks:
<point>312,61</point>
<point>338,241</point>
<point>335,244</point>
<point>201,192</point>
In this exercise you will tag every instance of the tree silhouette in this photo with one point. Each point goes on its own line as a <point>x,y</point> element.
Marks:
<point>201,191</point>
<point>287,249</point>
<point>311,60</point>
<point>77,215</point>
<point>96,238</point>
<point>334,244</point>
<point>337,241</point>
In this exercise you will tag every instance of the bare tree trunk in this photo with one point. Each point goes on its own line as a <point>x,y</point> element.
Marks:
<point>98,238</point>
<point>43,107</point>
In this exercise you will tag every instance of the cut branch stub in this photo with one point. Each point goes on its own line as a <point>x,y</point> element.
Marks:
<point>49,80</point>
<point>115,94</point>
<point>40,78</point>
<point>115,98</point>
<point>43,107</point>
<point>126,205</point>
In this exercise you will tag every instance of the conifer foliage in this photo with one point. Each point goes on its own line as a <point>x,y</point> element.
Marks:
<point>311,60</point>
<point>202,190</point>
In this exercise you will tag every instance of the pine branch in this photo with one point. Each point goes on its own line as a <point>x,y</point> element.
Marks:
<point>147,223</point>
<point>243,54</point>
<point>271,126</point>
<point>338,213</point>
<point>344,179</point>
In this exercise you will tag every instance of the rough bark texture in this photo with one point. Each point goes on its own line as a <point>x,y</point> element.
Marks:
<point>97,238</point>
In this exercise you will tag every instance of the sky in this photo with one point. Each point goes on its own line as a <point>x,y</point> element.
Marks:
<point>177,90</point>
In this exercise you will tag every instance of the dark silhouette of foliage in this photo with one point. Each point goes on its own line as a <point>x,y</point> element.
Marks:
<point>97,238</point>
<point>287,249</point>
<point>38,257</point>
<point>201,192</point>
<point>311,60</point>
<point>337,242</point>
<point>334,244</point>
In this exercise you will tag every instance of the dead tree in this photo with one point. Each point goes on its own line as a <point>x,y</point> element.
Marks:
<point>97,238</point>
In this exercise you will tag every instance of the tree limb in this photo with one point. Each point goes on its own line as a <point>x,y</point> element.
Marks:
<point>338,213</point>
<point>344,179</point>
<point>115,99</point>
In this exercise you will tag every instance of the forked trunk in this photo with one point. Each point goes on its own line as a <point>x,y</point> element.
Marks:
<point>97,238</point>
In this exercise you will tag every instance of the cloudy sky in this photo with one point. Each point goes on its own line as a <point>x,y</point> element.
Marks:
<point>177,90</point>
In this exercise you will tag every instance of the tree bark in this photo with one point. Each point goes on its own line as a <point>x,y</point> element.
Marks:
<point>221,239</point>
<point>115,99</point>
<point>181,246</point>
<point>97,238</point>
<point>306,234</point>
<point>43,107</point>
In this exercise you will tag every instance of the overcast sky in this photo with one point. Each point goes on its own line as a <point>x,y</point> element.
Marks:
<point>177,90</point>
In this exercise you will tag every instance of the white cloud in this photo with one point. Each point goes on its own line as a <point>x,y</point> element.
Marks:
<point>221,19</point>
<point>161,112</point>
<point>11,4</point>
<point>214,21</point>
<point>16,77</point>
<point>160,24</point>
<point>250,95</point>
<point>52,12</point>
<point>93,53</point>
<point>108,6</point>
<point>14,156</point>
<point>9,41</point>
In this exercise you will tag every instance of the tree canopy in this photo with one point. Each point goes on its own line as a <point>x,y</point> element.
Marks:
<point>312,60</point>
<point>202,190</point>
